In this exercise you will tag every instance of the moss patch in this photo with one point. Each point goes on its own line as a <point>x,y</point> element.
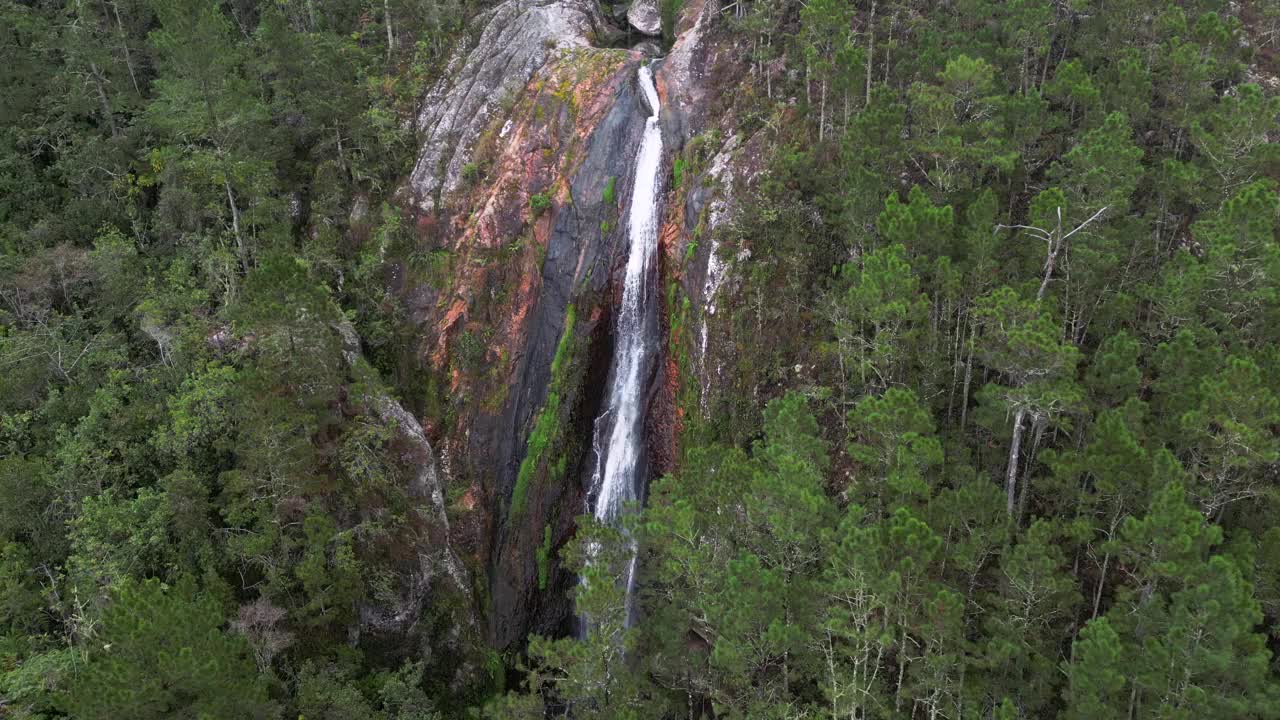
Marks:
<point>544,558</point>
<point>548,427</point>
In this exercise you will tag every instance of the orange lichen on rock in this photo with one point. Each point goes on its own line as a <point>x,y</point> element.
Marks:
<point>455,313</point>
<point>672,240</point>
<point>468,499</point>
<point>496,237</point>
<point>515,327</point>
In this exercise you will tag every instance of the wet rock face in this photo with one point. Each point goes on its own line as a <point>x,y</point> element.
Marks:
<point>643,15</point>
<point>521,186</point>
<point>518,37</point>
<point>585,248</point>
<point>533,228</point>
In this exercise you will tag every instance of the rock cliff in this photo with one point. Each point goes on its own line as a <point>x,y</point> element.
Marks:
<point>517,197</point>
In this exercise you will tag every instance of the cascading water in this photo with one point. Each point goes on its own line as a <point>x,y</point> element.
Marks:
<point>619,431</point>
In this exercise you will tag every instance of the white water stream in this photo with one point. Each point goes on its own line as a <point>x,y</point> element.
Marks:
<point>619,431</point>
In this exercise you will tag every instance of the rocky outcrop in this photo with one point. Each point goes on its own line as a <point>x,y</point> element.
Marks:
<point>518,38</point>
<point>430,583</point>
<point>686,78</point>
<point>720,164</point>
<point>533,230</point>
<point>643,15</point>
<point>519,193</point>
<point>584,250</point>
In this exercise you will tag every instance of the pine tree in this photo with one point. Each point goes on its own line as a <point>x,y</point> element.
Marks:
<point>161,652</point>
<point>1180,642</point>
<point>1020,341</point>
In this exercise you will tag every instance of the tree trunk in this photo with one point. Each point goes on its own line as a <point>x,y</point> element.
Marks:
<point>386,20</point>
<point>1051,257</point>
<point>124,41</point>
<point>871,49</point>
<point>968,377</point>
<point>1011,474</point>
<point>1026,469</point>
<point>342,160</point>
<point>235,224</point>
<point>1102,579</point>
<point>822,112</point>
<point>102,98</point>
<point>808,86</point>
<point>888,45</point>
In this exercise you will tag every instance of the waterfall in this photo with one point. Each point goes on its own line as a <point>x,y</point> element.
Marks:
<point>619,431</point>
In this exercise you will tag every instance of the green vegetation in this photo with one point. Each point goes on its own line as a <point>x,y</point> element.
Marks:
<point>211,673</point>
<point>199,488</point>
<point>544,558</point>
<point>669,15</point>
<point>471,173</point>
<point>472,347</point>
<point>986,424</point>
<point>548,425</point>
<point>679,167</point>
<point>993,427</point>
<point>539,203</point>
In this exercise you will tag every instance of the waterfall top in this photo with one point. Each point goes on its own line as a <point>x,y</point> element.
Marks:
<point>649,90</point>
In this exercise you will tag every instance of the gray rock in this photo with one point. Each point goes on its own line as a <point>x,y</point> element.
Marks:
<point>436,566</point>
<point>648,48</point>
<point>644,17</point>
<point>683,74</point>
<point>581,259</point>
<point>518,38</point>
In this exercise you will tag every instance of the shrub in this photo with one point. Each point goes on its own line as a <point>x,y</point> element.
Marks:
<point>539,203</point>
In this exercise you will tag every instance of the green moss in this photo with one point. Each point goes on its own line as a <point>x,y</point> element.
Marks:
<point>562,348</point>
<point>609,190</point>
<point>544,558</point>
<point>547,426</point>
<point>678,168</point>
<point>564,94</point>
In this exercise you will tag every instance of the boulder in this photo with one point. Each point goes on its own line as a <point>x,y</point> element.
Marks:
<point>648,48</point>
<point>645,17</point>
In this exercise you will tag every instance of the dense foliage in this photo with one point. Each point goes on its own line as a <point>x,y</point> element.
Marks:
<point>197,487</point>
<point>1012,289</point>
<point>997,436</point>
